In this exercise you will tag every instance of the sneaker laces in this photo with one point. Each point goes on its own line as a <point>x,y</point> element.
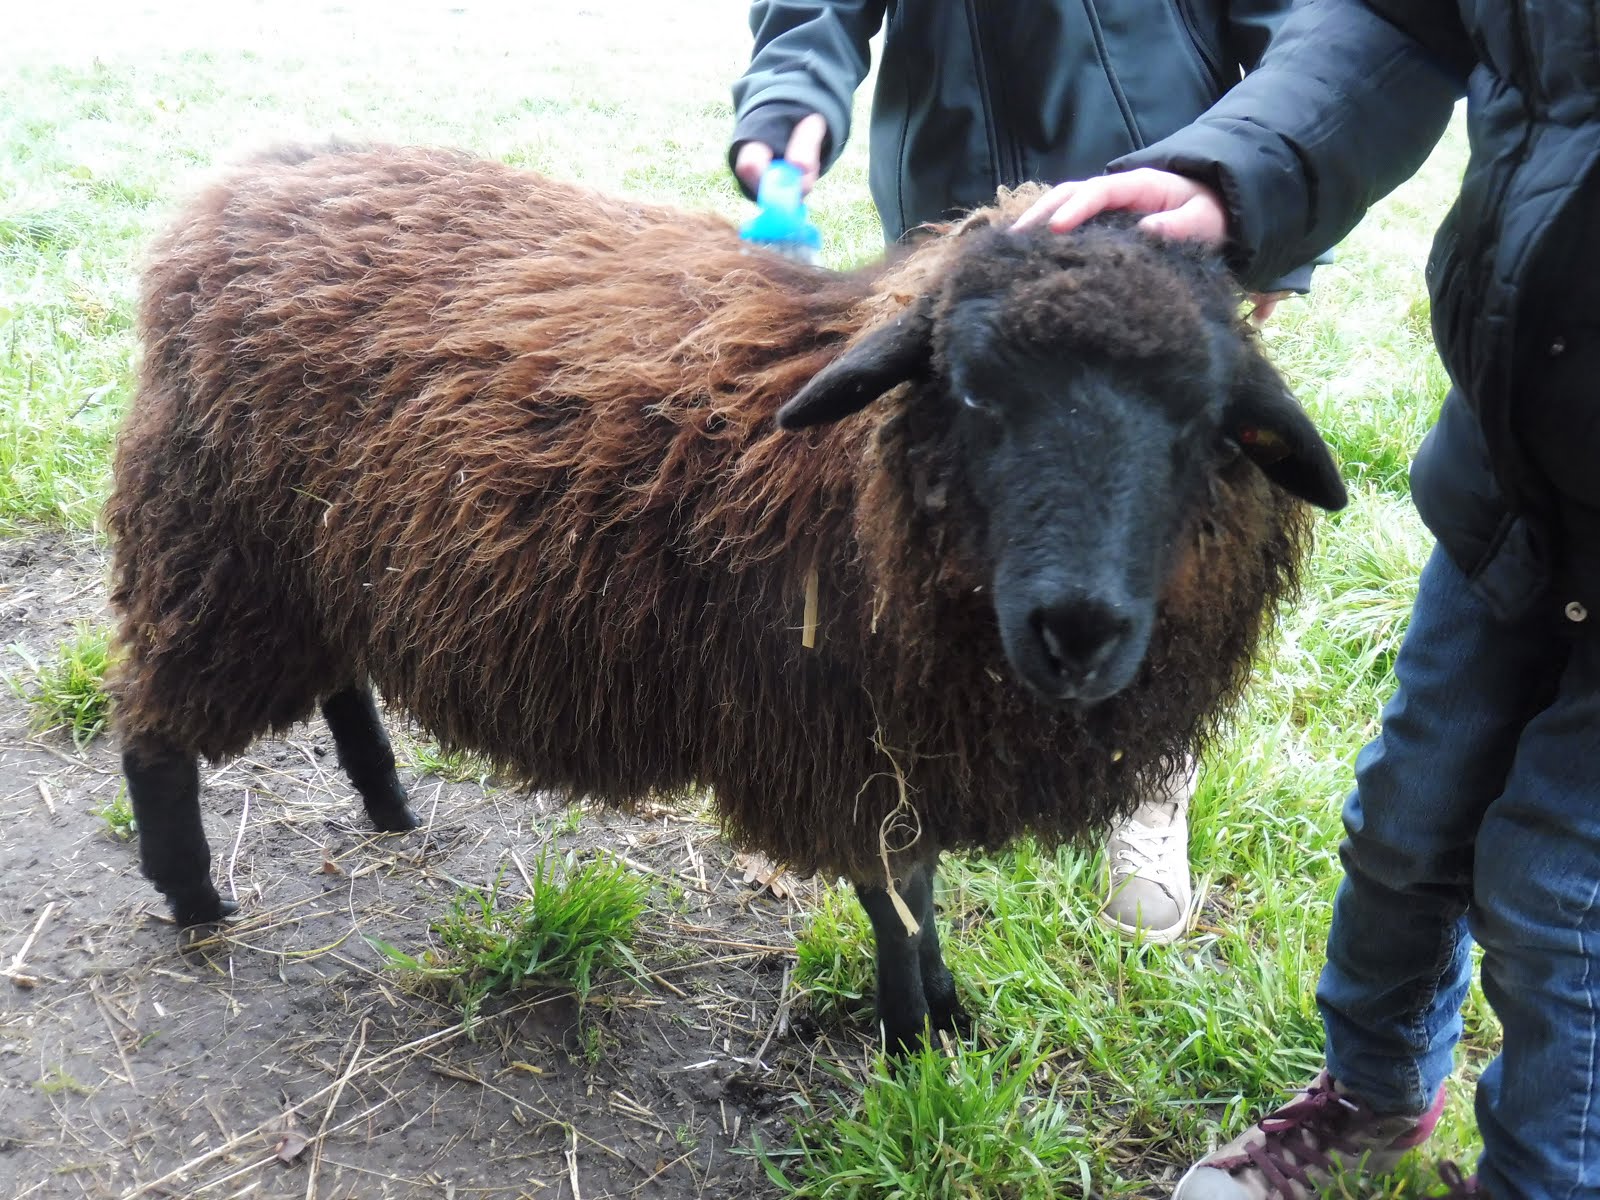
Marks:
<point>1461,1187</point>
<point>1298,1137</point>
<point>1141,846</point>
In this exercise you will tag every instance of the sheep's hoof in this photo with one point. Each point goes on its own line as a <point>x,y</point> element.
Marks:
<point>901,1040</point>
<point>903,1045</point>
<point>950,1018</point>
<point>947,1019</point>
<point>394,819</point>
<point>945,1014</point>
<point>205,909</point>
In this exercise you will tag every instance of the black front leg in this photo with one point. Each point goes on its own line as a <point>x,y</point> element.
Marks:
<point>367,757</point>
<point>903,1010</point>
<point>938,985</point>
<point>164,790</point>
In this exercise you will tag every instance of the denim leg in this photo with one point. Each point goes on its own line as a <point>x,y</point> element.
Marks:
<point>1398,952</point>
<point>1536,912</point>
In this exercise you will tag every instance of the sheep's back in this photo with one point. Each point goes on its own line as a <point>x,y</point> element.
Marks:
<point>503,446</point>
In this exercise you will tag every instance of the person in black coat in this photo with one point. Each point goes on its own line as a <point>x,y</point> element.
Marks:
<point>972,97</point>
<point>1476,812</point>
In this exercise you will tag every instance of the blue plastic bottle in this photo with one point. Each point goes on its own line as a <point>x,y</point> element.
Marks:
<point>780,222</point>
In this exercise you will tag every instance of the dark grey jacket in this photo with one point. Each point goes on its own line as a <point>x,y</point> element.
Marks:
<point>1346,105</point>
<point>972,95</point>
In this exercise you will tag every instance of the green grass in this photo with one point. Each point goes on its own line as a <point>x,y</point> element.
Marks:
<point>1146,1055</point>
<point>575,924</point>
<point>970,1125</point>
<point>453,766</point>
<point>117,815</point>
<point>68,691</point>
<point>833,959</point>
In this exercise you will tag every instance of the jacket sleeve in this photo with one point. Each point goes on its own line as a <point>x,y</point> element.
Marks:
<point>1344,107</point>
<point>1251,26</point>
<point>807,58</point>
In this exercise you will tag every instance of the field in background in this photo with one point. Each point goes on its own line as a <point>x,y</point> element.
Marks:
<point>1118,1064</point>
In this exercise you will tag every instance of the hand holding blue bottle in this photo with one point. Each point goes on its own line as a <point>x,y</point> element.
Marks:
<point>781,222</point>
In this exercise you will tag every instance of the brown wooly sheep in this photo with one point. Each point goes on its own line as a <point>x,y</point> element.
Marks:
<point>510,451</point>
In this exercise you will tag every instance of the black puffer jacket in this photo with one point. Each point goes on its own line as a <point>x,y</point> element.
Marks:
<point>1344,106</point>
<point>972,95</point>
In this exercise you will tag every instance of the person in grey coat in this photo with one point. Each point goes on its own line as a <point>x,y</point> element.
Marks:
<point>971,97</point>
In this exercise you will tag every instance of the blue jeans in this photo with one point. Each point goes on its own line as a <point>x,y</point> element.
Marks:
<point>1476,815</point>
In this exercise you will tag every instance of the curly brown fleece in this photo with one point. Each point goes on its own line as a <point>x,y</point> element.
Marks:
<point>507,448</point>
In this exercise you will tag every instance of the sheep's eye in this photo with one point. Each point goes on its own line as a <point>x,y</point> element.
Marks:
<point>976,405</point>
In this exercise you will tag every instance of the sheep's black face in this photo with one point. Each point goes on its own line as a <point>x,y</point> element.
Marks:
<point>1085,474</point>
<point>1086,388</point>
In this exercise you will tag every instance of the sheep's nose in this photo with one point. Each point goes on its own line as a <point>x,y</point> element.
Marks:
<point>1079,636</point>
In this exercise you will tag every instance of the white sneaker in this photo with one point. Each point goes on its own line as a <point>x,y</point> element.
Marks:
<point>1147,863</point>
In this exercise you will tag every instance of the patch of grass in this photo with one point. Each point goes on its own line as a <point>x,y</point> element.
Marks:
<point>453,766</point>
<point>834,965</point>
<point>64,378</point>
<point>68,692</point>
<point>59,1081</point>
<point>599,1044</point>
<point>1236,1010</point>
<point>576,923</point>
<point>41,230</point>
<point>117,813</point>
<point>1361,596</point>
<point>935,1126</point>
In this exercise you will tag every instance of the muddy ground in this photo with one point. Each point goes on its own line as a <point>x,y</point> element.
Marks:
<point>279,1058</point>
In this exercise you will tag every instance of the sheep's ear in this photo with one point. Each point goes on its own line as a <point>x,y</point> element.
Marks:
<point>1275,433</point>
<point>889,355</point>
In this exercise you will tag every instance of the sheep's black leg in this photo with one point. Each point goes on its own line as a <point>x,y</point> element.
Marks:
<point>902,1001</point>
<point>938,985</point>
<point>164,790</point>
<point>367,757</point>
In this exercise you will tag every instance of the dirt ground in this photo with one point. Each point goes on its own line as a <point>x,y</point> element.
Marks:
<point>278,1058</point>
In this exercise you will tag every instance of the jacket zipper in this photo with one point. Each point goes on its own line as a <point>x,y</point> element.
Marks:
<point>1203,48</point>
<point>1005,157</point>
<point>1111,75</point>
